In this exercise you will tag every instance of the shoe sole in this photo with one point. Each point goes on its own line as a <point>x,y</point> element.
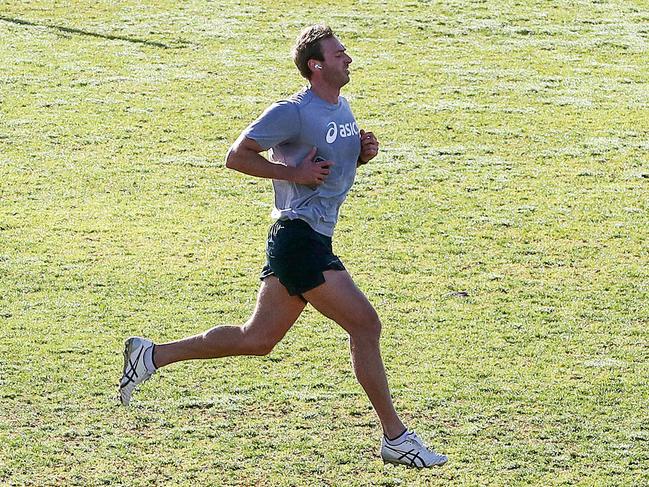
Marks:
<point>127,343</point>
<point>395,462</point>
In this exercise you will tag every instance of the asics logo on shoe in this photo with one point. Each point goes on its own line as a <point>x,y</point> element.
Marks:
<point>411,456</point>
<point>131,374</point>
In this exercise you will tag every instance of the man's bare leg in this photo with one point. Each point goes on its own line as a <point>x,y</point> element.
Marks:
<point>276,311</point>
<point>340,300</point>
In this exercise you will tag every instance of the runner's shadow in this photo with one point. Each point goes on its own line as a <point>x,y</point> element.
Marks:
<point>71,30</point>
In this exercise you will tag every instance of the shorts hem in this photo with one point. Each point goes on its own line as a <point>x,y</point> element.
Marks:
<point>318,280</point>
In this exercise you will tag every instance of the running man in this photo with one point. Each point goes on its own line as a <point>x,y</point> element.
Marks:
<point>314,146</point>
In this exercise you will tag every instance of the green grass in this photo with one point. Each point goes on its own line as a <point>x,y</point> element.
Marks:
<point>501,234</point>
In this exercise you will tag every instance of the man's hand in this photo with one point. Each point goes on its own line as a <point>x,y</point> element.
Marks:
<point>369,147</point>
<point>311,173</point>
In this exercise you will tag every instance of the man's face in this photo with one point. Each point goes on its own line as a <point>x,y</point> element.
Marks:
<point>335,67</point>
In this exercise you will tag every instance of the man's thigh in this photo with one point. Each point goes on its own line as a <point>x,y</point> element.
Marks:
<point>275,312</point>
<point>340,300</point>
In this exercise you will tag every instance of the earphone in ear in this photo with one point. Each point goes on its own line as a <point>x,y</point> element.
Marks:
<point>318,66</point>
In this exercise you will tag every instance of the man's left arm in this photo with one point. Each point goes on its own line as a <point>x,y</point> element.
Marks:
<point>369,148</point>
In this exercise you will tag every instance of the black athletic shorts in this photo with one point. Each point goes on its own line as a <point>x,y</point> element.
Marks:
<point>297,255</point>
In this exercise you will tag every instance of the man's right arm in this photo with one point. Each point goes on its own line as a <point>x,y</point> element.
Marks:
<point>244,156</point>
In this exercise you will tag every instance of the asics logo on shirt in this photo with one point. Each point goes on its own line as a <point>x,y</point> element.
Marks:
<point>343,129</point>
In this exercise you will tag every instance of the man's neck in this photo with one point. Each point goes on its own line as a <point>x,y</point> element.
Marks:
<point>327,93</point>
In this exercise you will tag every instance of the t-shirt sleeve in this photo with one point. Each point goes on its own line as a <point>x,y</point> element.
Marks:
<point>279,123</point>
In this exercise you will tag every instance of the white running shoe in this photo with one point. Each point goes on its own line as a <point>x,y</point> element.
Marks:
<point>135,372</point>
<point>412,452</point>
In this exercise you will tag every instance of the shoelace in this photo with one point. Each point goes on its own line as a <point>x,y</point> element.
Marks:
<point>412,436</point>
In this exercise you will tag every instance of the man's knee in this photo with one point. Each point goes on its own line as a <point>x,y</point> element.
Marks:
<point>259,345</point>
<point>368,328</point>
<point>262,348</point>
<point>375,325</point>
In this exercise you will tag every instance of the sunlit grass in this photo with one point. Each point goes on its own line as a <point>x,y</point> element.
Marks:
<point>501,234</point>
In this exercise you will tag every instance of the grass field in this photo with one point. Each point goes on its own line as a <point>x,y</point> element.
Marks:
<point>502,234</point>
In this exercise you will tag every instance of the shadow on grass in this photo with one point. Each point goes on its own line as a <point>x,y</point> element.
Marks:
<point>71,30</point>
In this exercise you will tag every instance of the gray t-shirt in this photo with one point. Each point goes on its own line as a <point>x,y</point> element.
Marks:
<point>290,129</point>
